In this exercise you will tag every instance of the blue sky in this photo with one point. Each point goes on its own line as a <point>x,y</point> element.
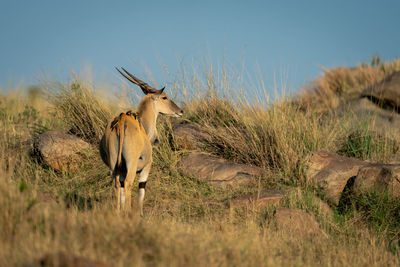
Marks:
<point>290,37</point>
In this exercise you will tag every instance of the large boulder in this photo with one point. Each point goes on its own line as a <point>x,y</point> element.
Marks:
<point>216,171</point>
<point>189,136</point>
<point>386,93</point>
<point>60,151</point>
<point>331,172</point>
<point>379,104</point>
<point>323,207</point>
<point>383,120</point>
<point>378,177</point>
<point>298,222</point>
<point>264,198</point>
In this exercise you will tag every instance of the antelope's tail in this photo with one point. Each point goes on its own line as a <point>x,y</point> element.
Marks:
<point>121,133</point>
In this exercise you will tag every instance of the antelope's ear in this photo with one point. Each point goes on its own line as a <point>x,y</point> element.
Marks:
<point>157,94</point>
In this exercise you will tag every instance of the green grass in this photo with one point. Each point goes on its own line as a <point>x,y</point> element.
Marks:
<point>362,143</point>
<point>381,211</point>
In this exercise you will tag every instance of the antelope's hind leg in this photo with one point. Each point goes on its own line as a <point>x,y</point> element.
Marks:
<point>144,174</point>
<point>117,190</point>
<point>116,178</point>
<point>130,178</point>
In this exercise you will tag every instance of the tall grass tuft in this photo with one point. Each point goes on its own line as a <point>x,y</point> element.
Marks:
<point>81,110</point>
<point>365,144</point>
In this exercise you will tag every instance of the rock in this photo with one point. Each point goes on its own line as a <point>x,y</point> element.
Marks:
<point>324,208</point>
<point>331,172</point>
<point>65,260</point>
<point>264,199</point>
<point>189,136</point>
<point>386,93</point>
<point>60,151</point>
<point>384,120</point>
<point>381,102</point>
<point>378,177</point>
<point>216,171</point>
<point>298,222</point>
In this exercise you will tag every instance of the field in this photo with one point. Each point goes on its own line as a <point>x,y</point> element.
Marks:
<point>187,222</point>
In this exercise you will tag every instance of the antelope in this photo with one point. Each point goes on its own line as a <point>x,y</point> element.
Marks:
<point>126,146</point>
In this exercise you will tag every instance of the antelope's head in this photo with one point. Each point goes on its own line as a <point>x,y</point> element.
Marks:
<point>162,103</point>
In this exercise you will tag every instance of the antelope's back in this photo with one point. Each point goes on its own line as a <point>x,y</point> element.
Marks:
<point>133,135</point>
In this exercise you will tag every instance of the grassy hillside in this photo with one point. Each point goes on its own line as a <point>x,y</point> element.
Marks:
<point>188,222</point>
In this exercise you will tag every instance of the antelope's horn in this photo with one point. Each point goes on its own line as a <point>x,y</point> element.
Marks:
<point>144,86</point>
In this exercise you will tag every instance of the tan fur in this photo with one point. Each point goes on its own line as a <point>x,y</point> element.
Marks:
<point>118,125</point>
<point>126,146</point>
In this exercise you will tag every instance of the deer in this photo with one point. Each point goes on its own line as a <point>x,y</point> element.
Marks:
<point>126,146</point>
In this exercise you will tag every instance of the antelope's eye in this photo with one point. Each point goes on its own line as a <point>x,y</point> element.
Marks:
<point>164,97</point>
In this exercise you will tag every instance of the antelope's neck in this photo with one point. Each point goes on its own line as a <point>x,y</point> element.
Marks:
<point>148,116</point>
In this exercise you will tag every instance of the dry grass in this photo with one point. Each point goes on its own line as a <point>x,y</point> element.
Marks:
<point>186,222</point>
<point>336,85</point>
<point>30,230</point>
<point>82,112</point>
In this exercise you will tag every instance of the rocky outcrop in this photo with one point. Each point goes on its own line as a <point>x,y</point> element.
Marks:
<point>383,119</point>
<point>264,198</point>
<point>378,177</point>
<point>331,172</point>
<point>379,103</point>
<point>216,171</point>
<point>324,208</point>
<point>60,151</point>
<point>386,93</point>
<point>297,222</point>
<point>189,136</point>
<point>335,174</point>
